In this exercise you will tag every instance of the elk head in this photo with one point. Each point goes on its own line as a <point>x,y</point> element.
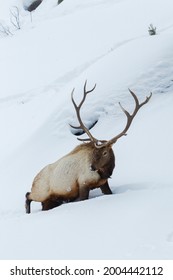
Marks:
<point>103,159</point>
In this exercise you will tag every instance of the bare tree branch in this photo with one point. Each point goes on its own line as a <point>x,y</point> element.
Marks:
<point>15,17</point>
<point>5,30</point>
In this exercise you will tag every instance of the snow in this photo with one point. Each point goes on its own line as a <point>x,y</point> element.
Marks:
<point>104,42</point>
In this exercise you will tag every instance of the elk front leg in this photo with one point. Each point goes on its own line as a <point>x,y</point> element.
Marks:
<point>83,193</point>
<point>51,203</point>
<point>105,188</point>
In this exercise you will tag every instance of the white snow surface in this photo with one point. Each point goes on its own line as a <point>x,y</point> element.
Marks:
<point>106,42</point>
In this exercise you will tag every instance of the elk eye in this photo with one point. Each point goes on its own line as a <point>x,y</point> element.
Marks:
<point>105,153</point>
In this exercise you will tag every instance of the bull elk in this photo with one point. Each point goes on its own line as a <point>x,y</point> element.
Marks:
<point>87,167</point>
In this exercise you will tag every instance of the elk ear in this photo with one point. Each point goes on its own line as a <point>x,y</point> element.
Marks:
<point>110,145</point>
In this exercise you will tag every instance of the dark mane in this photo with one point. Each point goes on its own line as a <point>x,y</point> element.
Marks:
<point>83,146</point>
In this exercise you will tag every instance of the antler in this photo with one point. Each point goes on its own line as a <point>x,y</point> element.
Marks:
<point>77,108</point>
<point>129,117</point>
<point>103,143</point>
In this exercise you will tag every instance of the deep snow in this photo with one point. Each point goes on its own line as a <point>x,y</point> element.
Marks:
<point>105,42</point>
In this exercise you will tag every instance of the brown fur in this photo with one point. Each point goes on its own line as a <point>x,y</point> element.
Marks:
<point>103,160</point>
<point>87,147</point>
<point>52,202</point>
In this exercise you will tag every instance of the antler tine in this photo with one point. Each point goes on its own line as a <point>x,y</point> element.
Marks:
<point>129,117</point>
<point>88,91</point>
<point>77,109</point>
<point>138,106</point>
<point>82,101</point>
<point>85,94</point>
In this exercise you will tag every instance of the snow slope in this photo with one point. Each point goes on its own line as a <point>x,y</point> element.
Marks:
<point>105,42</point>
